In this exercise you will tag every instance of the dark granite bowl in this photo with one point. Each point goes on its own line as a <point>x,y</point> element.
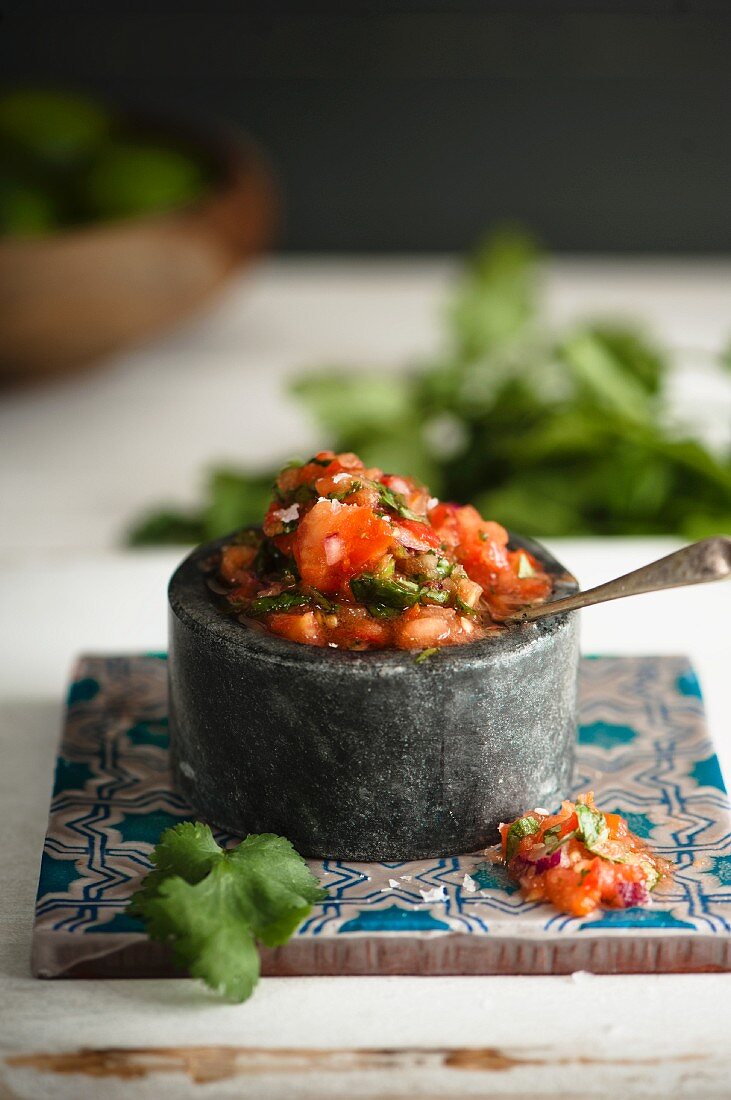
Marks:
<point>370,755</point>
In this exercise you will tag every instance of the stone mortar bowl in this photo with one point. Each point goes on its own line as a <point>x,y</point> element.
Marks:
<point>368,755</point>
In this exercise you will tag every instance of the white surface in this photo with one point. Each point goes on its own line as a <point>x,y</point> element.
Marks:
<point>115,602</point>
<point>80,458</point>
<point>75,461</point>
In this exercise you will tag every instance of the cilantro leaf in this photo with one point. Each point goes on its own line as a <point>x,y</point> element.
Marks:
<point>285,601</point>
<point>524,826</point>
<point>497,297</point>
<point>213,905</point>
<point>601,375</point>
<point>167,527</point>
<point>592,830</point>
<point>269,560</point>
<point>344,402</point>
<point>322,601</point>
<point>594,833</point>
<point>384,597</point>
<point>209,934</point>
<point>235,501</point>
<point>438,596</point>
<point>397,502</point>
<point>464,608</point>
<point>188,850</point>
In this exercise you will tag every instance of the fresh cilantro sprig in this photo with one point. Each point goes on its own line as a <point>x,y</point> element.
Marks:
<point>213,905</point>
<point>551,433</point>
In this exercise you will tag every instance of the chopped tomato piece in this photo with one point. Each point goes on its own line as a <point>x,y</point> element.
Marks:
<point>415,535</point>
<point>236,562</point>
<point>424,630</point>
<point>335,542</point>
<point>356,628</point>
<point>618,827</point>
<point>303,627</point>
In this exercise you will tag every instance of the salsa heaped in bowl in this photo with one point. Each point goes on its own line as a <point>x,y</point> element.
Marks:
<point>353,745</point>
<point>352,558</point>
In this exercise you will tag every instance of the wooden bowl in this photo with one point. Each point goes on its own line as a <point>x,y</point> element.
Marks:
<point>69,299</point>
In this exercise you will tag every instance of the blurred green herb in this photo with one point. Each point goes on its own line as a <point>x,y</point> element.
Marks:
<point>67,160</point>
<point>551,434</point>
<point>132,178</point>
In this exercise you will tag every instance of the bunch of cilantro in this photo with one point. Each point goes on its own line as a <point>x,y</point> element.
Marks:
<point>212,904</point>
<point>550,433</point>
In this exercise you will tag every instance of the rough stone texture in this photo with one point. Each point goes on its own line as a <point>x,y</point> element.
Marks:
<point>369,755</point>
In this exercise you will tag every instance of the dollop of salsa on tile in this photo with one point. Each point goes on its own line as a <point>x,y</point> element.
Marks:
<point>351,557</point>
<point>580,859</point>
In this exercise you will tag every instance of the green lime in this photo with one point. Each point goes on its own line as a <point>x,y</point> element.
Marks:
<point>53,127</point>
<point>129,179</point>
<point>25,211</point>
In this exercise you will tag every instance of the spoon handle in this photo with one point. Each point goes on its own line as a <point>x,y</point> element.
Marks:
<point>707,560</point>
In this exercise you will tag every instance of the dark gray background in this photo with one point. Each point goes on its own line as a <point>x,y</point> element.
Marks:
<point>415,125</point>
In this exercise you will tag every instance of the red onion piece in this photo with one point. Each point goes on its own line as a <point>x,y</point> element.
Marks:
<point>632,893</point>
<point>334,548</point>
<point>520,866</point>
<point>556,859</point>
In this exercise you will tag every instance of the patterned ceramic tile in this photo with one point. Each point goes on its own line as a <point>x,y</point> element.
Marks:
<point>642,747</point>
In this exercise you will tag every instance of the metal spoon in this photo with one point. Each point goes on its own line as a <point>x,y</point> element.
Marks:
<point>707,560</point>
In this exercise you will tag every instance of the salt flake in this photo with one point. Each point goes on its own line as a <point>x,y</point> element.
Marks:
<point>393,883</point>
<point>469,884</point>
<point>439,893</point>
<point>288,515</point>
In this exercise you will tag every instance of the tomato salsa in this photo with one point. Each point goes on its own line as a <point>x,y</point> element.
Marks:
<point>354,558</point>
<point>580,859</point>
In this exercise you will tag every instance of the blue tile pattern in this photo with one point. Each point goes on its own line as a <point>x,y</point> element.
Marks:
<point>642,747</point>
